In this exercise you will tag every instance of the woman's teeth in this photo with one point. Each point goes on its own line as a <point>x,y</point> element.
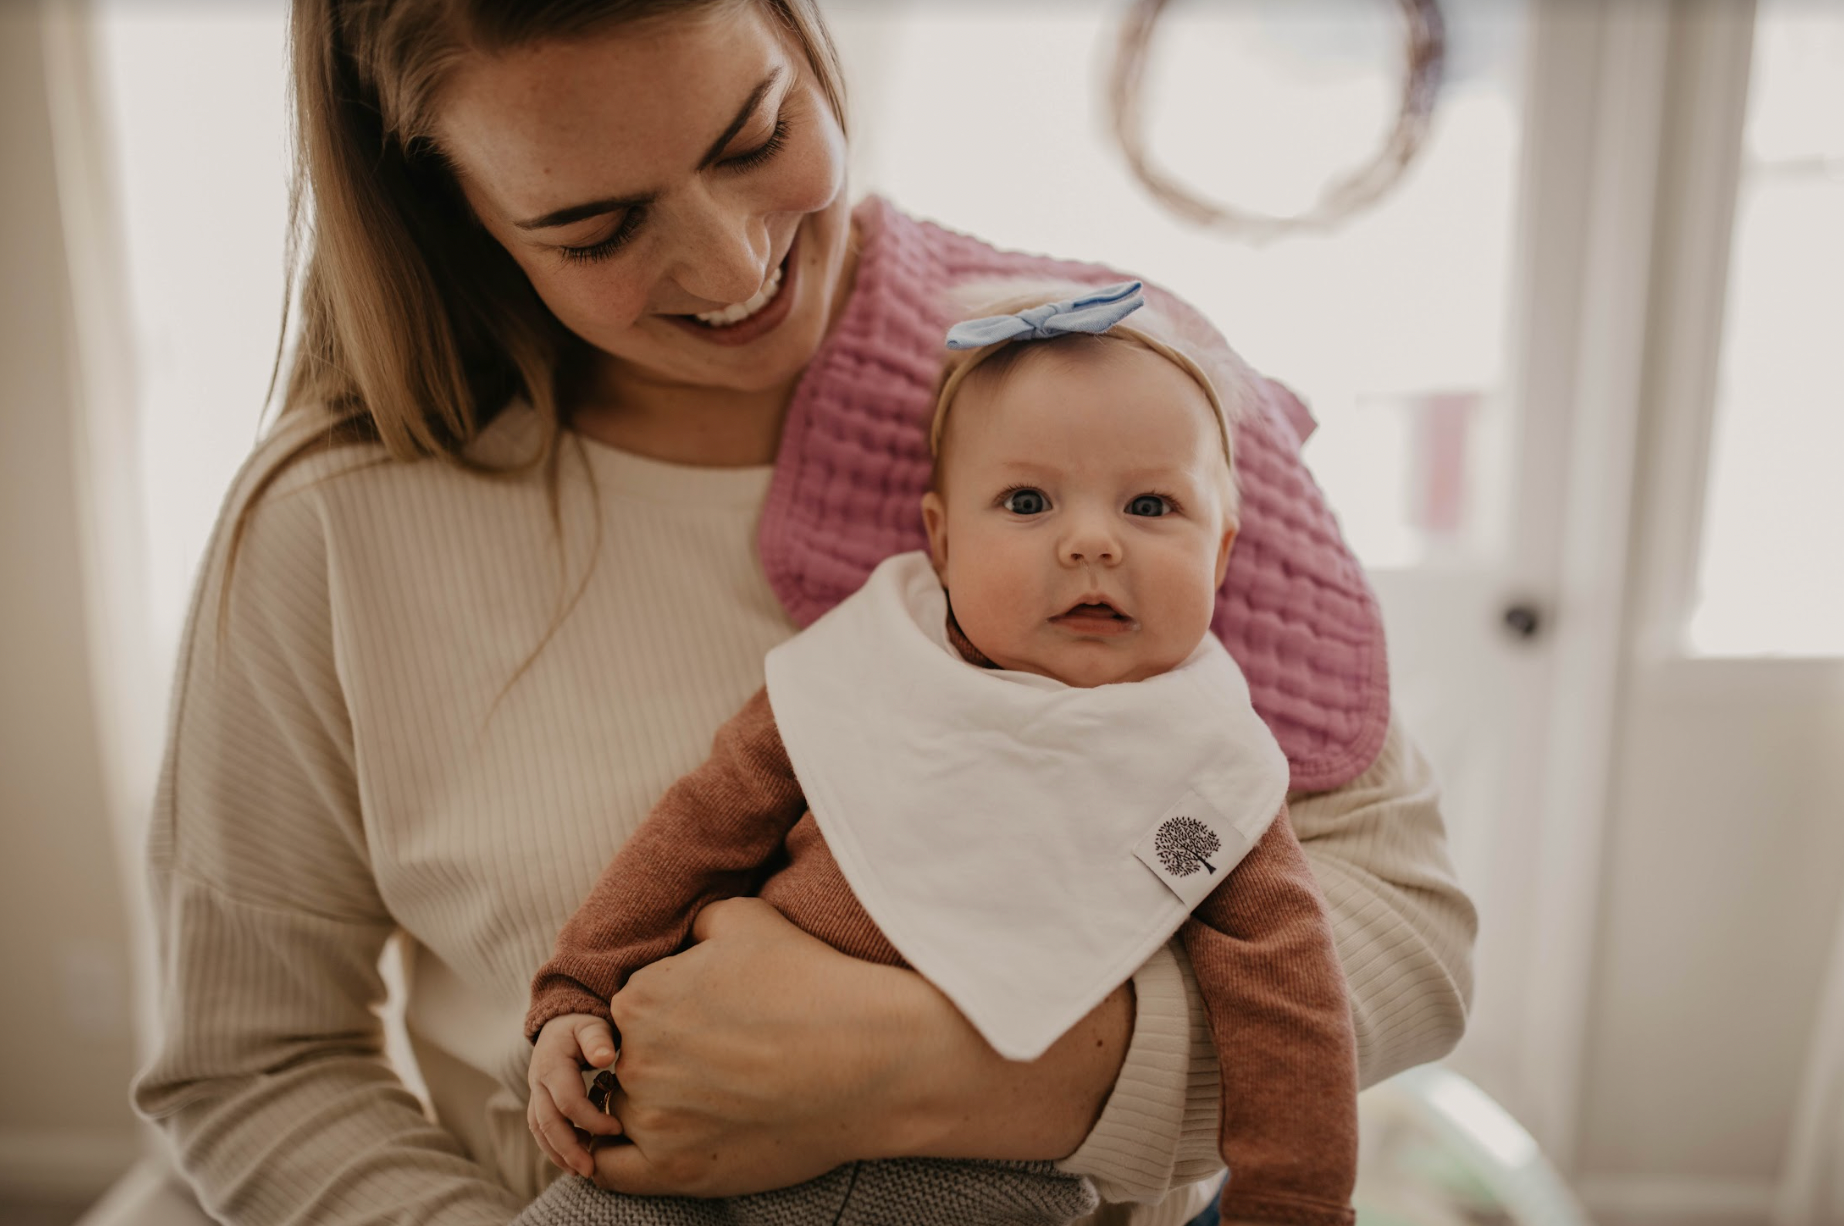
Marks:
<point>737,312</point>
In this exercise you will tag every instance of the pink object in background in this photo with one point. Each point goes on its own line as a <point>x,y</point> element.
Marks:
<point>1442,420</point>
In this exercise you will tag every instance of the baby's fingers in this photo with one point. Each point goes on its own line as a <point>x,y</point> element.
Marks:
<point>556,1137</point>
<point>558,1104</point>
<point>561,1084</point>
<point>595,1039</point>
<point>556,1070</point>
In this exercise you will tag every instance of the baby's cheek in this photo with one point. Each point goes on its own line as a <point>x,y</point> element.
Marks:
<point>1192,613</point>
<point>982,615</point>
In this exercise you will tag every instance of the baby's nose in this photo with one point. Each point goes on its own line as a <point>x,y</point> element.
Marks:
<point>1091,542</point>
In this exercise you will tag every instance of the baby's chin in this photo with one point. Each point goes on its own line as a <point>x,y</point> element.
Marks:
<point>1089,665</point>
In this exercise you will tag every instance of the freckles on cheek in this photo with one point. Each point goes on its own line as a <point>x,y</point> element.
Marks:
<point>590,301</point>
<point>802,190</point>
<point>814,176</point>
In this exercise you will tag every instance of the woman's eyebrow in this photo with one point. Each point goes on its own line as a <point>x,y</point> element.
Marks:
<point>743,116</point>
<point>578,212</point>
<point>595,208</point>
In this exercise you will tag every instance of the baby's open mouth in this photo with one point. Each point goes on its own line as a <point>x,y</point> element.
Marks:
<point>1094,616</point>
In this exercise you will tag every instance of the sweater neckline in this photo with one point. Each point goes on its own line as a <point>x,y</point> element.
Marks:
<point>512,437</point>
<point>625,474</point>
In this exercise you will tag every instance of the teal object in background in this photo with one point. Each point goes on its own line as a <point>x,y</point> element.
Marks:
<point>1436,1150</point>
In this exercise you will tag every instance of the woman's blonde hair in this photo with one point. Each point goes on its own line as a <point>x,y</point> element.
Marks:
<point>415,327</point>
<point>1146,328</point>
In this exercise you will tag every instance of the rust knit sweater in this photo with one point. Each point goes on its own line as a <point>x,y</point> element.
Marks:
<point>1260,945</point>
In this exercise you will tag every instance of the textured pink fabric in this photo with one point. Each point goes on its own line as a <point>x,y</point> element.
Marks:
<point>1295,610</point>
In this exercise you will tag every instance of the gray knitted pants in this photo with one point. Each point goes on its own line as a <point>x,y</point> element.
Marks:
<point>891,1192</point>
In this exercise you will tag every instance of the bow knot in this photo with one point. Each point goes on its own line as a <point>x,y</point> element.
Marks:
<point>1094,312</point>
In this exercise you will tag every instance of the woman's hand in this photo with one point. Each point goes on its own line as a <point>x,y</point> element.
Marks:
<point>761,1057</point>
<point>756,1059</point>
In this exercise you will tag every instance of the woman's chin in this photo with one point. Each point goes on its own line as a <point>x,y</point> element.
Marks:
<point>675,360</point>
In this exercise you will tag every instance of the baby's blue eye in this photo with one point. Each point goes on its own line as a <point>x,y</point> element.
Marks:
<point>1149,504</point>
<point>1026,502</point>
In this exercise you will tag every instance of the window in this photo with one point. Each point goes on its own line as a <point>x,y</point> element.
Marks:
<point>1772,566</point>
<point>194,100</point>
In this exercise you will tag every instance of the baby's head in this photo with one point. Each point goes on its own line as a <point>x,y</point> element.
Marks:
<point>1084,499</point>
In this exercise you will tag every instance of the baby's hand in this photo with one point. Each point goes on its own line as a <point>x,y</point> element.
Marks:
<point>558,1106</point>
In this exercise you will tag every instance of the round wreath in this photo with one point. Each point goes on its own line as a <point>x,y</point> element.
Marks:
<point>1426,47</point>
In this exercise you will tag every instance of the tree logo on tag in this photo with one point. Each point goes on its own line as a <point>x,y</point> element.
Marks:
<point>1182,844</point>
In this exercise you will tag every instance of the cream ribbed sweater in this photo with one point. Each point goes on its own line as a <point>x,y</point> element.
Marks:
<point>346,759</point>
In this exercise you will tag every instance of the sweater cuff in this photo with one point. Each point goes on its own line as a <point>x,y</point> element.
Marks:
<point>558,1001</point>
<point>1134,1150</point>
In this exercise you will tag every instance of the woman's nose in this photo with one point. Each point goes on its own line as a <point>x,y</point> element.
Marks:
<point>723,253</point>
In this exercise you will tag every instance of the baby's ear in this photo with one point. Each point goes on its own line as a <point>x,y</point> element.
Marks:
<point>935,523</point>
<point>1228,542</point>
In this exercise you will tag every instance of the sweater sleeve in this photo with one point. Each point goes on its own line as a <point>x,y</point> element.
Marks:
<point>1275,997</point>
<point>1403,926</point>
<point>1403,929</point>
<point>708,838</point>
<point>269,1076</point>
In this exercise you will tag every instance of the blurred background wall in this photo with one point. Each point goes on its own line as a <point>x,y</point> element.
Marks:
<point>1581,416</point>
<point>66,1046</point>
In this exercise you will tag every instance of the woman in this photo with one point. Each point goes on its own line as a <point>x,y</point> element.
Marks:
<point>585,302</point>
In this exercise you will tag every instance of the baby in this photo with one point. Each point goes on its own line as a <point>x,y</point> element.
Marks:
<point>1019,764</point>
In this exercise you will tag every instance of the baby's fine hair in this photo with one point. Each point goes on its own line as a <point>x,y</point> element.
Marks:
<point>1147,328</point>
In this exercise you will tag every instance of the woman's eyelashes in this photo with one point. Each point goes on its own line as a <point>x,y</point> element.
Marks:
<point>762,153</point>
<point>749,160</point>
<point>1029,500</point>
<point>630,222</point>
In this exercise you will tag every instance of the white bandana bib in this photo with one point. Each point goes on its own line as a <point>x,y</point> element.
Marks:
<point>1026,845</point>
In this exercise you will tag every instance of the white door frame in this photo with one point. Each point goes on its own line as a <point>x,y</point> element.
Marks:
<point>1596,126</point>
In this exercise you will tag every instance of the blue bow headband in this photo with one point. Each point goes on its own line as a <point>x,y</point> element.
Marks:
<point>1094,312</point>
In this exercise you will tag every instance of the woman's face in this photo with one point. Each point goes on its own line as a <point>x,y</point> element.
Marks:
<point>669,169</point>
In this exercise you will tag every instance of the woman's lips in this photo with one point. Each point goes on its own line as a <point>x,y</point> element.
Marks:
<point>762,322</point>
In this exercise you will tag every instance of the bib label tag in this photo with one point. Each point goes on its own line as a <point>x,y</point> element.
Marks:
<point>1191,848</point>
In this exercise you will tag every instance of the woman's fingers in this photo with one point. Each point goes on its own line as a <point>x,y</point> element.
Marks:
<point>622,1168</point>
<point>625,1167</point>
